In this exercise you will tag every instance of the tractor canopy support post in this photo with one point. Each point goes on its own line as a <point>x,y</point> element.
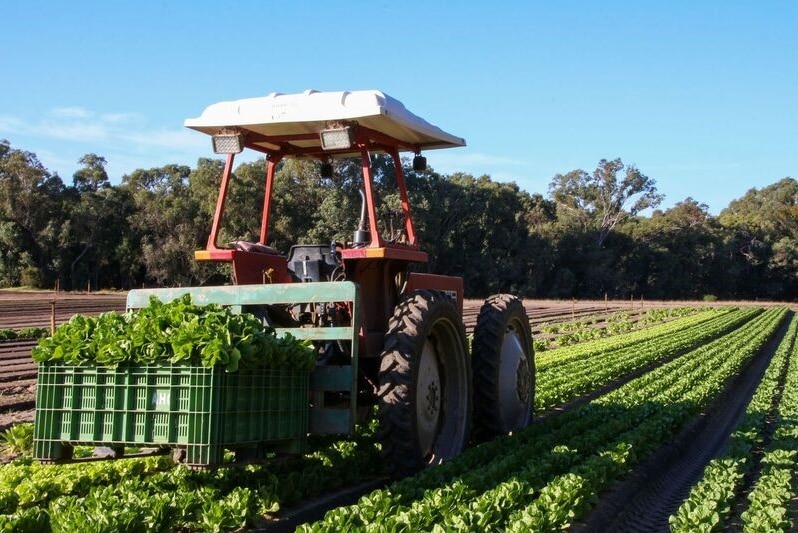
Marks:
<point>368,185</point>
<point>400,181</point>
<point>271,166</point>
<point>220,202</point>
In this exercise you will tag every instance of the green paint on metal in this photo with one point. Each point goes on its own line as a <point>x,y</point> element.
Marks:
<point>319,334</point>
<point>277,293</point>
<point>331,378</point>
<point>323,420</point>
<point>204,410</point>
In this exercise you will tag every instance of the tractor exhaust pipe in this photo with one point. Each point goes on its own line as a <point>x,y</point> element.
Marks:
<point>362,236</point>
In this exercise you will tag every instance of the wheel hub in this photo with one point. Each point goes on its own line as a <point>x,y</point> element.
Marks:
<point>428,399</point>
<point>433,400</point>
<point>515,381</point>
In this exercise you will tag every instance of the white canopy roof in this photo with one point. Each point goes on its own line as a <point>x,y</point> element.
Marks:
<point>280,115</point>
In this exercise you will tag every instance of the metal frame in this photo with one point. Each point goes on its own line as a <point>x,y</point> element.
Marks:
<point>380,267</point>
<point>324,419</point>
<point>366,140</point>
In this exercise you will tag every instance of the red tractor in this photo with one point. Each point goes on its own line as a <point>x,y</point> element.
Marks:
<point>408,355</point>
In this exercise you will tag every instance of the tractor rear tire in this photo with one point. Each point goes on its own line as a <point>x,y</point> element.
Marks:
<point>503,362</point>
<point>424,384</point>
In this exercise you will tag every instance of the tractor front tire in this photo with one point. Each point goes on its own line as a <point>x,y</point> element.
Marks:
<point>424,384</point>
<point>503,362</point>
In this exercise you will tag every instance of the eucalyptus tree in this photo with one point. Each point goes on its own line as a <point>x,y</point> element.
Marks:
<point>599,201</point>
<point>761,231</point>
<point>92,175</point>
<point>675,253</point>
<point>30,218</point>
<point>478,229</point>
<point>169,224</point>
<point>94,232</point>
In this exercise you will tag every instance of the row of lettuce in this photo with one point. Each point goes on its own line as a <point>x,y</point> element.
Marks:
<point>154,494</point>
<point>545,477</point>
<point>566,374</point>
<point>23,334</point>
<point>751,486</point>
<point>548,476</point>
<point>560,334</point>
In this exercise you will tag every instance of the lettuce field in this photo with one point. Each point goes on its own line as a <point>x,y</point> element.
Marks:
<point>685,420</point>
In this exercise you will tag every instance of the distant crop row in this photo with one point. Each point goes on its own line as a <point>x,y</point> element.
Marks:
<point>565,377</point>
<point>772,415</point>
<point>8,334</point>
<point>547,476</point>
<point>596,327</point>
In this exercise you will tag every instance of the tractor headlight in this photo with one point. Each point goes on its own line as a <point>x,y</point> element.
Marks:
<point>337,138</point>
<point>228,143</point>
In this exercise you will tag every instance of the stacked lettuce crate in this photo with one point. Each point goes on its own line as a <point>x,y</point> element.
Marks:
<point>177,376</point>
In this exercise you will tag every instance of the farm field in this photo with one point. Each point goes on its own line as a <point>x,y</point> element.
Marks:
<point>638,428</point>
<point>20,309</point>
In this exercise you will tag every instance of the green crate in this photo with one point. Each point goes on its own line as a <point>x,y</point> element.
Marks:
<point>201,410</point>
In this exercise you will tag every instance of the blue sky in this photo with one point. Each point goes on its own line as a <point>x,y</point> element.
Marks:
<point>700,96</point>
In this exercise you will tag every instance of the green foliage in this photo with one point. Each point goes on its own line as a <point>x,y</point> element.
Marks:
<point>154,494</point>
<point>7,334</point>
<point>30,216</point>
<point>588,237</point>
<point>543,478</point>
<point>32,333</point>
<point>709,505</point>
<point>30,276</point>
<point>177,332</point>
<point>565,374</point>
<point>18,439</point>
<point>599,200</point>
<point>92,176</point>
<point>540,345</point>
<point>592,328</point>
<point>547,476</point>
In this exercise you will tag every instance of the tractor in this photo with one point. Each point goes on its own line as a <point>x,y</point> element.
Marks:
<point>396,341</point>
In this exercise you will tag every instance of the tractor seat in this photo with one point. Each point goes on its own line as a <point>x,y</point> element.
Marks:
<point>247,246</point>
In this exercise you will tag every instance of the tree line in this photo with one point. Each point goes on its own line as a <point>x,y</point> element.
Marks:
<point>593,234</point>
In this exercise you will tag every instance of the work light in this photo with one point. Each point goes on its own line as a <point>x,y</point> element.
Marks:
<point>228,143</point>
<point>337,138</point>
